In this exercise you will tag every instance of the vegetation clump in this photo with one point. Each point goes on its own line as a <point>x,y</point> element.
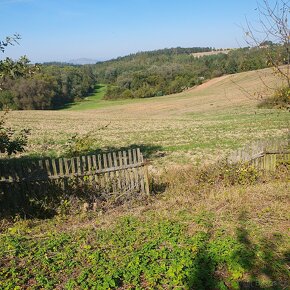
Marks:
<point>279,100</point>
<point>11,140</point>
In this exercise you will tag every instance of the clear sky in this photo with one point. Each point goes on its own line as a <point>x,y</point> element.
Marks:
<point>62,30</point>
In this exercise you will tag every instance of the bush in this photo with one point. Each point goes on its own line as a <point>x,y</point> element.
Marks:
<point>12,141</point>
<point>280,99</point>
<point>80,144</point>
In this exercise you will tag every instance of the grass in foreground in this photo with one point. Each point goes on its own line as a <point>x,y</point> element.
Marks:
<point>204,232</point>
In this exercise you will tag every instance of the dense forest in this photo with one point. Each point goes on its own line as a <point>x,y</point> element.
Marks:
<point>140,75</point>
<point>162,72</point>
<point>50,87</point>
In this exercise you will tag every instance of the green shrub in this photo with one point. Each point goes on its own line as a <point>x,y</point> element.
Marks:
<point>80,144</point>
<point>11,140</point>
<point>280,99</point>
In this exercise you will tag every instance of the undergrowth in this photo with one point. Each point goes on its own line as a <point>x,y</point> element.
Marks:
<point>221,227</point>
<point>279,100</point>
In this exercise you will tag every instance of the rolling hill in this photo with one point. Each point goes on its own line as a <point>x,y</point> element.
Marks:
<point>202,123</point>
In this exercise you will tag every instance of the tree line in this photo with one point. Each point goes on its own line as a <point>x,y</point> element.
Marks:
<point>50,87</point>
<point>140,75</point>
<point>169,71</point>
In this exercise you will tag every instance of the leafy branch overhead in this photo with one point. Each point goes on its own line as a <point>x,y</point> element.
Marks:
<point>272,30</point>
<point>11,140</point>
<point>272,33</point>
<point>10,69</point>
<point>9,40</point>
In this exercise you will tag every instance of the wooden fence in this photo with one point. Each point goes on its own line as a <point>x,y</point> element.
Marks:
<point>265,155</point>
<point>105,174</point>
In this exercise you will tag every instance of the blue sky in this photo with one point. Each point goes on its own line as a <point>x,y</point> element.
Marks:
<point>62,30</point>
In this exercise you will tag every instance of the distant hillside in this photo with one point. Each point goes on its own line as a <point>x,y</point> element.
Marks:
<point>164,51</point>
<point>81,61</point>
<point>172,70</point>
<point>213,52</point>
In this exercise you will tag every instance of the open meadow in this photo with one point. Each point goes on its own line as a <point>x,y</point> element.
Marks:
<point>200,124</point>
<point>202,227</point>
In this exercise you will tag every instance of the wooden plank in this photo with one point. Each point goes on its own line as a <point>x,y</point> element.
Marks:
<point>78,165</point>
<point>274,162</point>
<point>106,176</point>
<point>61,165</point>
<point>79,171</point>
<point>111,174</point>
<point>141,170</point>
<point>105,162</point>
<point>131,174</point>
<point>121,172</point>
<point>73,166</point>
<point>54,168</point>
<point>100,166</point>
<point>90,170</point>
<point>126,172</point>
<point>146,180</point>
<point>66,166</point>
<point>94,160</point>
<point>62,182</point>
<point>25,170</point>
<point>117,175</point>
<point>139,156</point>
<point>84,165</point>
<point>101,177</point>
<point>67,174</point>
<point>89,164</point>
<point>134,156</point>
<point>110,161</point>
<point>48,167</point>
<point>94,169</point>
<point>135,170</point>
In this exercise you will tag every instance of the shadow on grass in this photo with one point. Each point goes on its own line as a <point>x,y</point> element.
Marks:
<point>203,273</point>
<point>239,263</point>
<point>149,152</point>
<point>263,263</point>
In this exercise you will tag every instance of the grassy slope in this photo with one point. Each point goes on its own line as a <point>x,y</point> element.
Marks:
<point>95,101</point>
<point>91,101</point>
<point>201,238</point>
<point>195,125</point>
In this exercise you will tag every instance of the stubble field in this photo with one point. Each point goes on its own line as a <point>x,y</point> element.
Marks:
<point>200,124</point>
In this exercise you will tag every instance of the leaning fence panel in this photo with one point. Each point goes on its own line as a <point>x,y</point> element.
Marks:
<point>107,174</point>
<point>266,155</point>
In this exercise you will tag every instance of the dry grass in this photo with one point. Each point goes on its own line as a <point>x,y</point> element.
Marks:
<point>193,126</point>
<point>263,204</point>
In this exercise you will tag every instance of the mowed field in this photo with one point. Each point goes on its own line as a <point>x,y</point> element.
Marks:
<point>198,125</point>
